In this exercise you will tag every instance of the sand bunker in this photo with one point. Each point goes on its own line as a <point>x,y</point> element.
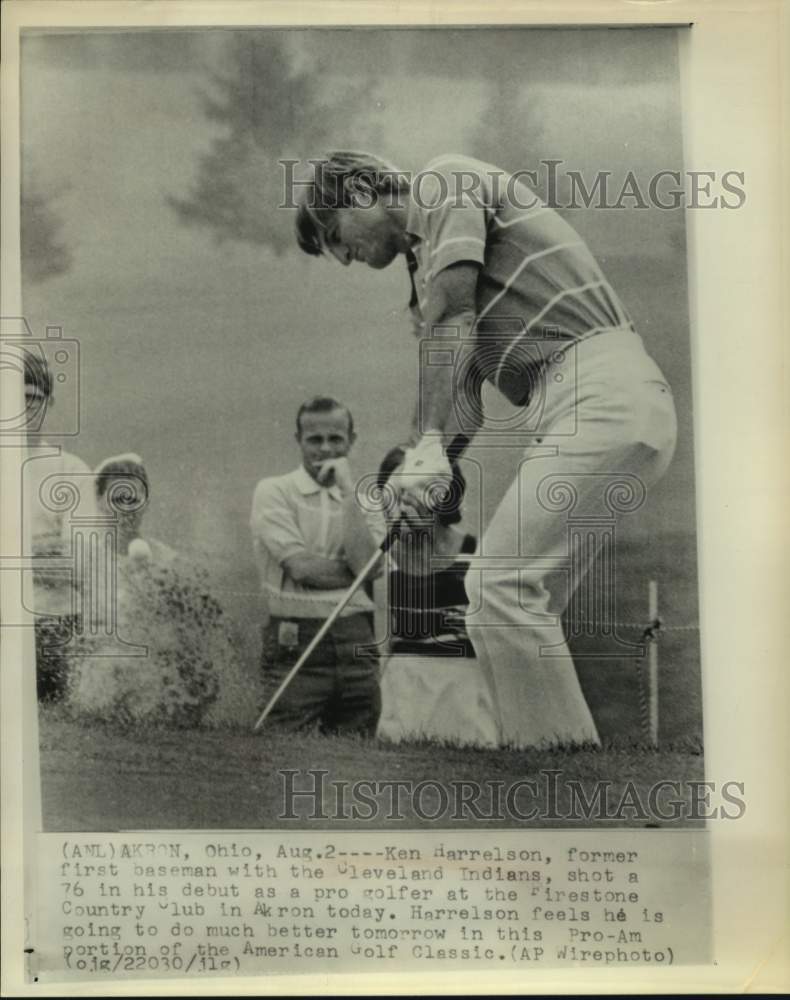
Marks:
<point>186,669</point>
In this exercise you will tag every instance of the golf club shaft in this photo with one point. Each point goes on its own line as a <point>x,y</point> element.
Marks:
<point>360,579</point>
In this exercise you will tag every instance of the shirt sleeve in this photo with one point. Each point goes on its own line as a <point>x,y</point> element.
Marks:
<point>455,204</point>
<point>274,523</point>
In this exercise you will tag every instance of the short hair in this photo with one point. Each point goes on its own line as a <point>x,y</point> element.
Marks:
<point>37,372</point>
<point>322,404</point>
<point>449,512</point>
<point>121,467</point>
<point>336,177</point>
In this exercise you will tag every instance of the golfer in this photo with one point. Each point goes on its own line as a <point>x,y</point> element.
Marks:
<point>529,304</point>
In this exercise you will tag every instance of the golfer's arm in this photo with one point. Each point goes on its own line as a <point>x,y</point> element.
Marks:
<point>317,571</point>
<point>446,403</point>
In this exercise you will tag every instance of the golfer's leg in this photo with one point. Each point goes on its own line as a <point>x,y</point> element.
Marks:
<point>513,618</point>
<point>611,425</point>
<point>514,623</point>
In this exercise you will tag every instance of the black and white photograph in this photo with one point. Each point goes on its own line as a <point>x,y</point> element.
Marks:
<point>251,296</point>
<point>359,460</point>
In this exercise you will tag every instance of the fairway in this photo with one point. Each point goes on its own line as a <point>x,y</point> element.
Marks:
<point>98,777</point>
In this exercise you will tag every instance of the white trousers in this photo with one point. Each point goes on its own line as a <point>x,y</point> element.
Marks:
<point>440,698</point>
<point>604,434</point>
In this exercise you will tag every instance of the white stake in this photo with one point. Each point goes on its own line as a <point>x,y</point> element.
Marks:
<point>652,653</point>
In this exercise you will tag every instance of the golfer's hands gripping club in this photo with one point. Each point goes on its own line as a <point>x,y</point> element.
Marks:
<point>426,476</point>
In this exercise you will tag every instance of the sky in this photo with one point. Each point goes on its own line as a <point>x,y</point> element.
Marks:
<point>196,353</point>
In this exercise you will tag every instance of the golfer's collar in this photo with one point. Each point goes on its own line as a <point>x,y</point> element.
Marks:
<point>307,485</point>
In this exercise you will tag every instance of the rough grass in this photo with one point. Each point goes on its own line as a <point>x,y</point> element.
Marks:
<point>108,777</point>
<point>140,773</point>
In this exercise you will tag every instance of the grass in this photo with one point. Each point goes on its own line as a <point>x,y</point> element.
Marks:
<point>102,777</point>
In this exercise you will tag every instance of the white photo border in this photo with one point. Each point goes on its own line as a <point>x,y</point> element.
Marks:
<point>735,102</point>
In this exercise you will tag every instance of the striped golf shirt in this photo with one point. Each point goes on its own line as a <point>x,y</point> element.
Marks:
<point>539,287</point>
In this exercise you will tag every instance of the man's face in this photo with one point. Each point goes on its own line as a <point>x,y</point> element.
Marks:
<point>367,235</point>
<point>323,436</point>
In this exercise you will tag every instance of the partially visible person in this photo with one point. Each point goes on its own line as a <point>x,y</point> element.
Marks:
<point>167,646</point>
<point>311,539</point>
<point>50,473</point>
<point>123,493</point>
<point>432,686</point>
